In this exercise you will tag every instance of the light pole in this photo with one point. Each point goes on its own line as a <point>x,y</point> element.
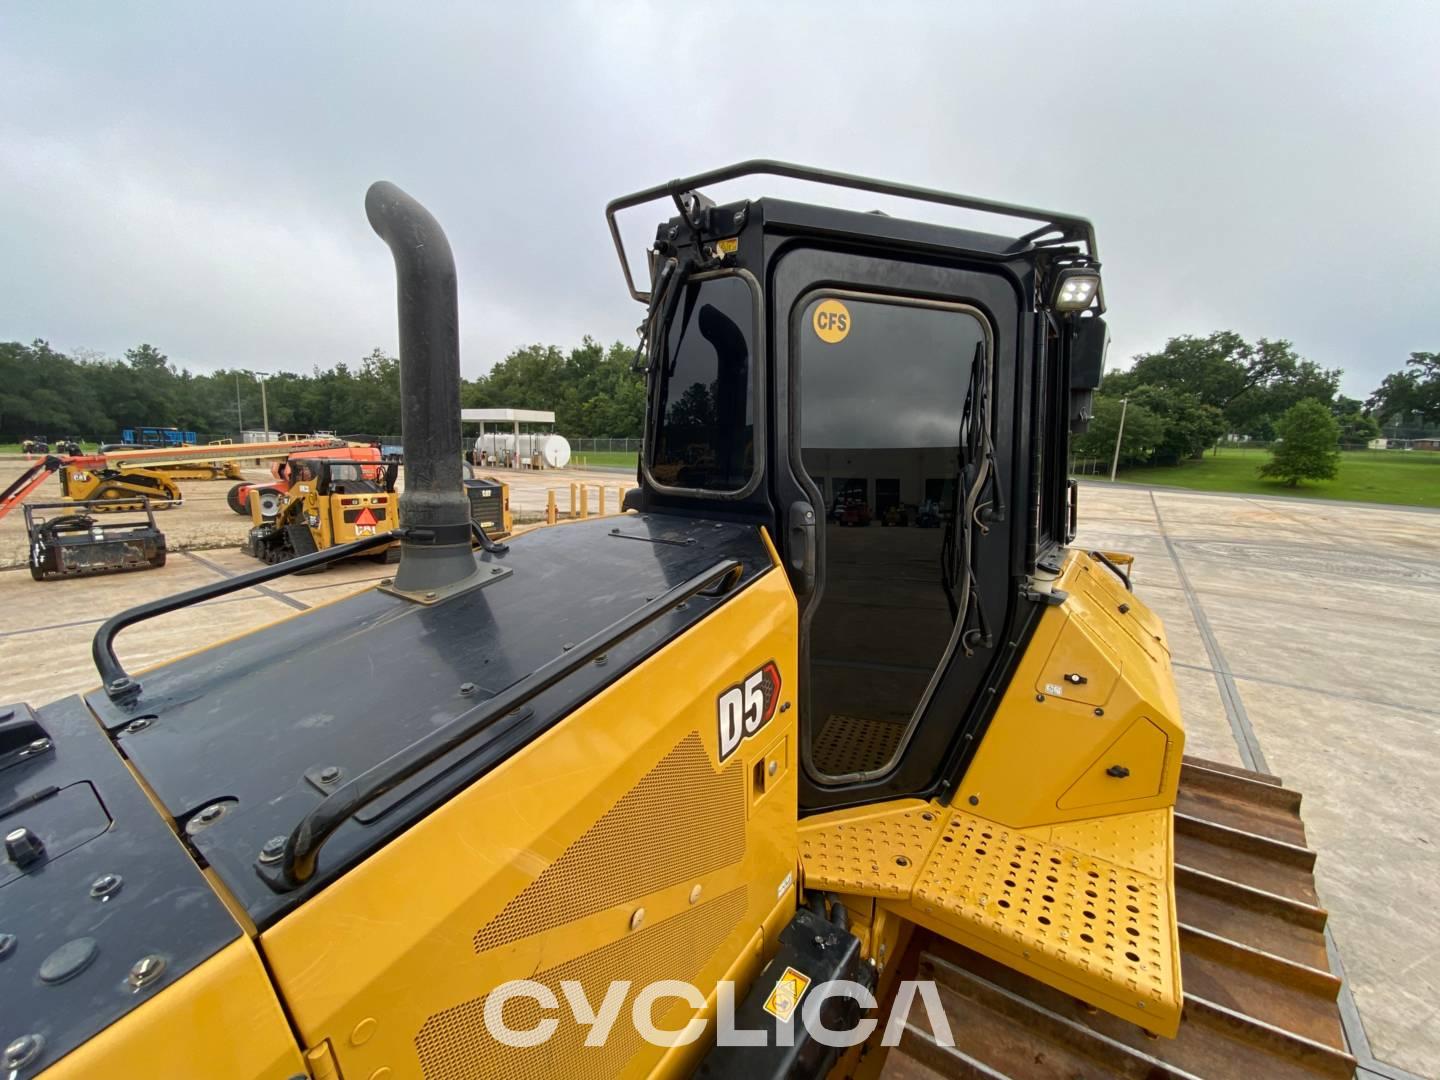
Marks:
<point>239,415</point>
<point>264,409</point>
<point>1119,433</point>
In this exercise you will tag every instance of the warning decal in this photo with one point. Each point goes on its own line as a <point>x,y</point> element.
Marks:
<point>785,998</point>
<point>366,516</point>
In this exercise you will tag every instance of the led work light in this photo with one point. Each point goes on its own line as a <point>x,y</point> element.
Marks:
<point>1075,288</point>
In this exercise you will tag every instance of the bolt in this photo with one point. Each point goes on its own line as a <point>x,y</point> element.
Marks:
<point>119,684</point>
<point>974,800</point>
<point>37,747</point>
<point>637,918</point>
<point>567,646</point>
<point>1099,712</point>
<point>785,706</point>
<point>7,945</point>
<point>210,813</point>
<point>146,970</point>
<point>1124,608</point>
<point>774,767</point>
<point>273,850</point>
<point>385,581</point>
<point>497,570</point>
<point>467,688</point>
<point>329,774</point>
<point>602,660</point>
<point>24,847</point>
<point>138,725</point>
<point>1039,697</point>
<point>23,1051</point>
<point>105,886</point>
<point>431,595</point>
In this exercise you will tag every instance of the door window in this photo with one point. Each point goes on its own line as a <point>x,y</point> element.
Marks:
<point>882,405</point>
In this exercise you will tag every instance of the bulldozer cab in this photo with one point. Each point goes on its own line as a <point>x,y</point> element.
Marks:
<point>831,374</point>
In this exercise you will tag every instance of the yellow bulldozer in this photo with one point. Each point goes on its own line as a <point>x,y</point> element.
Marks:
<point>718,787</point>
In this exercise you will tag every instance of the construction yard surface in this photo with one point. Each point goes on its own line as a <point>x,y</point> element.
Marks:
<point>1301,635</point>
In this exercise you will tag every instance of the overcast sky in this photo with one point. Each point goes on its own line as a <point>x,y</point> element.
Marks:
<point>192,175</point>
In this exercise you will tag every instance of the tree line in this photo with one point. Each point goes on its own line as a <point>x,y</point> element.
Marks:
<point>1180,401</point>
<point>592,390</point>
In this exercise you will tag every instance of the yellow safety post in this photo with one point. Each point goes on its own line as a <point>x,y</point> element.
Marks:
<point>574,505</point>
<point>551,516</point>
<point>584,501</point>
<point>600,498</point>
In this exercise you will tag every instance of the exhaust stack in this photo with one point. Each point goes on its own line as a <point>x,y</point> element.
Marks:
<point>435,553</point>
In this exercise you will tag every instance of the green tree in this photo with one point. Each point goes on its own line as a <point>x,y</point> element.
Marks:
<point>1143,432</point>
<point>1189,426</point>
<point>1252,384</point>
<point>1357,426</point>
<point>1309,446</point>
<point>1413,392</point>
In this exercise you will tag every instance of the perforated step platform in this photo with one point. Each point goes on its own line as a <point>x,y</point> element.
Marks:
<point>1086,907</point>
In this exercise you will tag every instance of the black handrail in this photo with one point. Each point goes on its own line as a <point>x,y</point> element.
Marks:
<point>1071,226</point>
<point>121,688</point>
<point>302,847</point>
<point>1102,557</point>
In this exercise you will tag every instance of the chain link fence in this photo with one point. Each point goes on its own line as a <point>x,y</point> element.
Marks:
<point>603,445</point>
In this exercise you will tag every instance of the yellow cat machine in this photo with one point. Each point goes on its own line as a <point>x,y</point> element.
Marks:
<point>123,479</point>
<point>677,791</point>
<point>323,502</point>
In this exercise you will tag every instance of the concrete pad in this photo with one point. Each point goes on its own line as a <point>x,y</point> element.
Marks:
<point>52,663</point>
<point>1368,779</point>
<point>1207,726</point>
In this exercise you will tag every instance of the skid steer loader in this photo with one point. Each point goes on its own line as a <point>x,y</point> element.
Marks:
<point>716,787</point>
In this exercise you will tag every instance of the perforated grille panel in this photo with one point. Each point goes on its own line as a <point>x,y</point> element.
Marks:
<point>454,1045</point>
<point>848,744</point>
<point>1085,905</point>
<point>681,821</point>
<point>1077,914</point>
<point>879,854</point>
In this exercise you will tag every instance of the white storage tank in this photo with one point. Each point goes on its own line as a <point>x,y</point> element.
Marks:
<point>498,447</point>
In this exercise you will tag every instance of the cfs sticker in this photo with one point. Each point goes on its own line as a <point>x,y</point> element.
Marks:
<point>786,995</point>
<point>831,321</point>
<point>747,707</point>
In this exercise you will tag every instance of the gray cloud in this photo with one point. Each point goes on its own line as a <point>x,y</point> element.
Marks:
<point>192,175</point>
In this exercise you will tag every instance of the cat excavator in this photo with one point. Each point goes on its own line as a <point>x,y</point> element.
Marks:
<point>715,787</point>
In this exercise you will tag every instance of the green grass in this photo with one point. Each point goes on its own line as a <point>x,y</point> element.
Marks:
<point>627,458</point>
<point>1406,478</point>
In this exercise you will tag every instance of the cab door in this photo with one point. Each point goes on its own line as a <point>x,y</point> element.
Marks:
<point>887,383</point>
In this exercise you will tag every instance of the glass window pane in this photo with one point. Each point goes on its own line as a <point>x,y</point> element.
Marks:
<point>705,434</point>
<point>881,407</point>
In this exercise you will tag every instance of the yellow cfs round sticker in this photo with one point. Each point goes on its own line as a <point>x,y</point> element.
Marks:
<point>831,321</point>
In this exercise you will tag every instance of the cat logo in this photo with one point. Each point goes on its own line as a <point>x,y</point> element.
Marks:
<point>747,707</point>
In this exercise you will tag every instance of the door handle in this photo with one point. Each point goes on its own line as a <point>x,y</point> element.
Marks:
<point>801,547</point>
